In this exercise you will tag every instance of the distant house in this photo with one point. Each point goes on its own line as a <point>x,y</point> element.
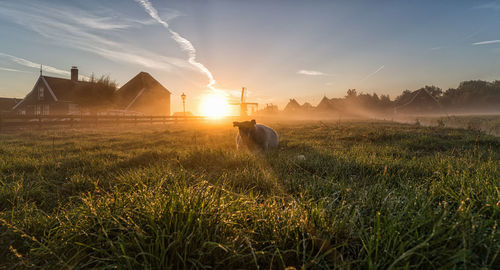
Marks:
<point>6,104</point>
<point>145,95</point>
<point>51,95</point>
<point>421,102</point>
<point>292,106</point>
<point>307,106</point>
<point>324,105</point>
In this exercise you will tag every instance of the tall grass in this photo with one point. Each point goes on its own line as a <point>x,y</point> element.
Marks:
<point>368,195</point>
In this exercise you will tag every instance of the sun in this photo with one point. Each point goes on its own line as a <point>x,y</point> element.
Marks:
<point>214,105</point>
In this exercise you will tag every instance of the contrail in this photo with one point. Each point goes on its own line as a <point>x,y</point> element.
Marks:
<point>373,73</point>
<point>12,70</point>
<point>183,43</point>
<point>27,63</point>
<point>487,42</point>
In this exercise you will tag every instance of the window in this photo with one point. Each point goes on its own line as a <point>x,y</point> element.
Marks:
<point>46,108</point>
<point>38,109</point>
<point>41,93</point>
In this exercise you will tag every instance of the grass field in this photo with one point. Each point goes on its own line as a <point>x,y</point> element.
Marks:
<point>488,124</point>
<point>370,195</point>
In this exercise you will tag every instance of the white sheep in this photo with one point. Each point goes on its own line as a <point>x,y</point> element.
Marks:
<point>255,136</point>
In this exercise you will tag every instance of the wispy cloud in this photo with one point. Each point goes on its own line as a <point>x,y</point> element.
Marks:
<point>491,5</point>
<point>80,30</point>
<point>486,42</point>
<point>12,70</point>
<point>373,73</point>
<point>185,44</point>
<point>28,63</point>
<point>311,72</point>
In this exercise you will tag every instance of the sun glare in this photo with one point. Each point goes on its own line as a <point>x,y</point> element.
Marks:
<point>214,105</point>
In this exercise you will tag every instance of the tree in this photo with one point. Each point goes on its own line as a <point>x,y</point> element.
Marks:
<point>96,94</point>
<point>351,93</point>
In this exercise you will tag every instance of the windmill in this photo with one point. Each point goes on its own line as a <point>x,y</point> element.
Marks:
<point>244,105</point>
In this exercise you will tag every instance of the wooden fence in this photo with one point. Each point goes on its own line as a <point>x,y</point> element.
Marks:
<point>73,120</point>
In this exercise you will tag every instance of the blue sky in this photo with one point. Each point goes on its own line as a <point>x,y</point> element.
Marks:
<point>277,49</point>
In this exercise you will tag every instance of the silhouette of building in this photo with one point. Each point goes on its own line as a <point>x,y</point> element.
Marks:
<point>145,95</point>
<point>307,107</point>
<point>6,104</point>
<point>292,106</point>
<point>51,95</point>
<point>324,105</point>
<point>420,102</point>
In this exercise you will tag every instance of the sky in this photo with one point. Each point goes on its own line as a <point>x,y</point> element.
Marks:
<point>277,49</point>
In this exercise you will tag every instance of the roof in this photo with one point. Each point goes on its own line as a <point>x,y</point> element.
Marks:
<point>142,82</point>
<point>292,105</point>
<point>427,101</point>
<point>324,105</point>
<point>6,104</point>
<point>60,89</point>
<point>307,105</point>
<point>64,89</point>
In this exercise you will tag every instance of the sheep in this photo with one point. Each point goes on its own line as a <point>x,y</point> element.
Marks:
<point>255,136</point>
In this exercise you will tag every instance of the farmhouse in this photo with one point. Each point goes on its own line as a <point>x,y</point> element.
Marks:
<point>51,95</point>
<point>145,95</point>
<point>59,96</point>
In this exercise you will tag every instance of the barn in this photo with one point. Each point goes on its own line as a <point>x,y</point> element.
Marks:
<point>144,94</point>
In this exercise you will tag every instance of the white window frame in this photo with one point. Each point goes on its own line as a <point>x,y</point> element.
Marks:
<point>46,109</point>
<point>38,109</point>
<point>41,93</point>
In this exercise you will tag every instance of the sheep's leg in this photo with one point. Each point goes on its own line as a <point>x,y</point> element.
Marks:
<point>239,145</point>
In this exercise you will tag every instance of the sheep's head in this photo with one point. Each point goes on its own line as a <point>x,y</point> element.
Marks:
<point>245,127</point>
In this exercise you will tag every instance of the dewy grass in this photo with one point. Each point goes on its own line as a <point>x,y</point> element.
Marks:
<point>371,195</point>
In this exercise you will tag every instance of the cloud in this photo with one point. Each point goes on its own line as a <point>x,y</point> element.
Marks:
<point>373,73</point>
<point>487,42</point>
<point>28,63</point>
<point>185,44</point>
<point>492,5</point>
<point>77,29</point>
<point>12,70</point>
<point>311,72</point>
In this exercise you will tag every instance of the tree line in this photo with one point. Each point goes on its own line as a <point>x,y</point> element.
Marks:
<point>469,97</point>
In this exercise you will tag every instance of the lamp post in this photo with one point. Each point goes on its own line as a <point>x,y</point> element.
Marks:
<point>183,96</point>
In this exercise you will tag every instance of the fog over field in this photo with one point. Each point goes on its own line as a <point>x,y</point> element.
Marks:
<point>363,194</point>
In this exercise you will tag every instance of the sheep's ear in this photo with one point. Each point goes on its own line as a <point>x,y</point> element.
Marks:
<point>253,122</point>
<point>235,124</point>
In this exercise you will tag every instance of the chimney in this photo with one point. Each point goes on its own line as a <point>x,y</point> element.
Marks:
<point>74,73</point>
